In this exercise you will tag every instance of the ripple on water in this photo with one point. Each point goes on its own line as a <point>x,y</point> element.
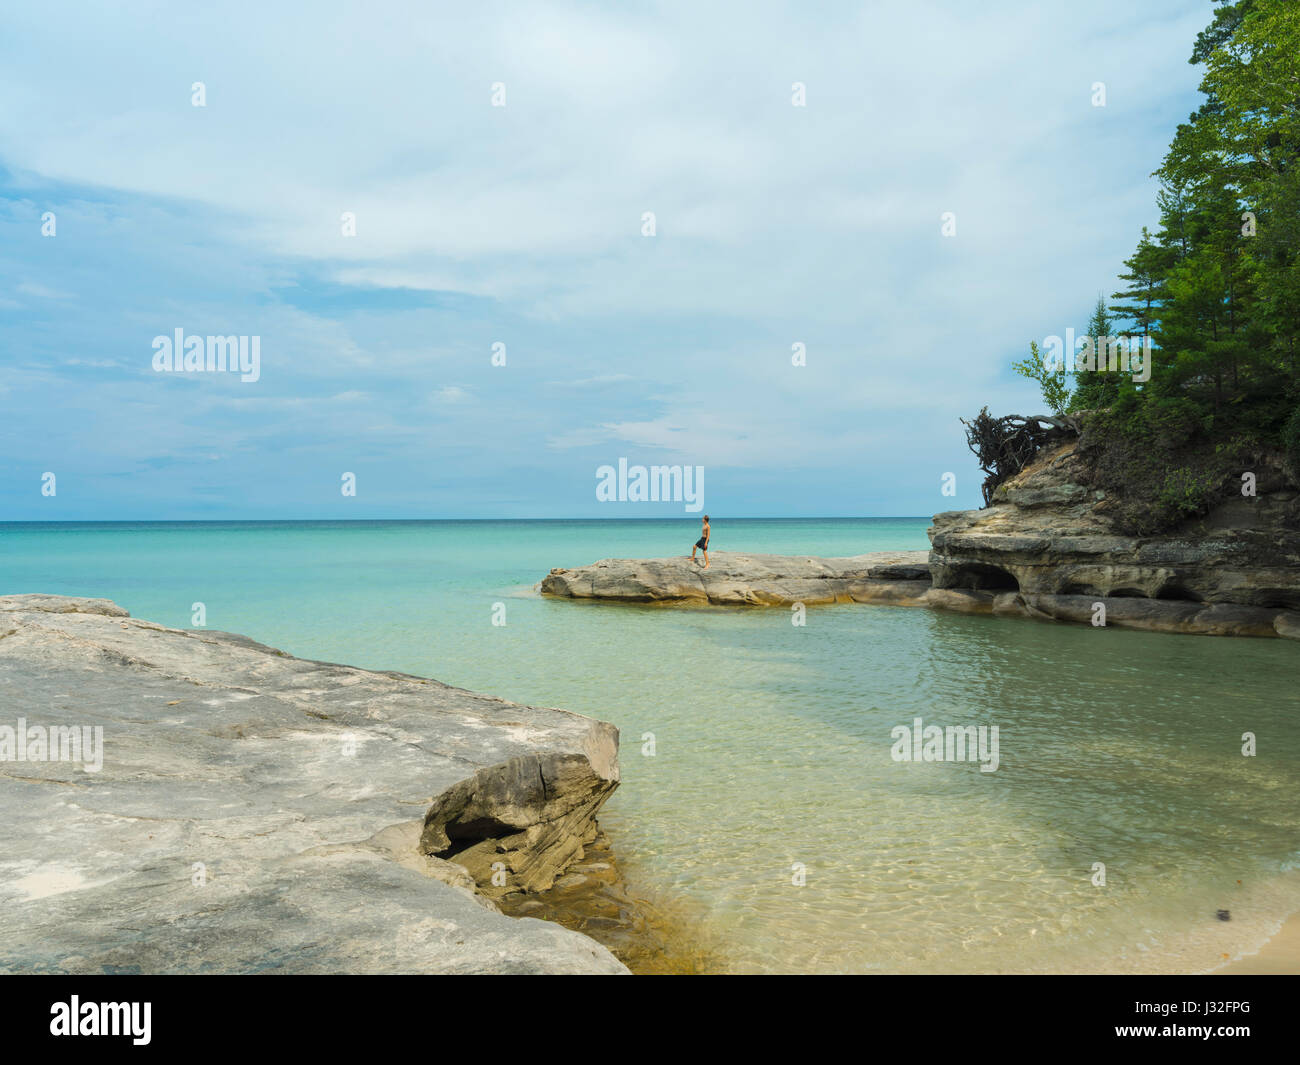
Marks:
<point>771,742</point>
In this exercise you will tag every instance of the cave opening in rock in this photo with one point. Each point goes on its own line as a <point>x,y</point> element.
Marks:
<point>457,845</point>
<point>1174,590</point>
<point>1080,589</point>
<point>461,835</point>
<point>980,576</point>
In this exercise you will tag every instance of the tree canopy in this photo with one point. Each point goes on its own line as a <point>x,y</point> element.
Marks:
<point>1217,286</point>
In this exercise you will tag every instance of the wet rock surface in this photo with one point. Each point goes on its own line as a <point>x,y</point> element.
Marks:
<point>650,936</point>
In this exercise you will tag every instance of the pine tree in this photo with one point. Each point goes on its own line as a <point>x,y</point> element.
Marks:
<point>1216,288</point>
<point>1147,269</point>
<point>1098,388</point>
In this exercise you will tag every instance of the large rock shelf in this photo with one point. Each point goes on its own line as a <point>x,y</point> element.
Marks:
<point>257,812</point>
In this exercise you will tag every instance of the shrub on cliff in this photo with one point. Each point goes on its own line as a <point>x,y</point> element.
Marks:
<point>1159,464</point>
<point>1185,495</point>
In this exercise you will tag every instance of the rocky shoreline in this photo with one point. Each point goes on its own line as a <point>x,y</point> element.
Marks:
<point>650,936</point>
<point>1046,548</point>
<point>257,812</point>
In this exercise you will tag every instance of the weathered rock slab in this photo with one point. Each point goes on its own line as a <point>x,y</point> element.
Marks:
<point>733,578</point>
<point>257,812</point>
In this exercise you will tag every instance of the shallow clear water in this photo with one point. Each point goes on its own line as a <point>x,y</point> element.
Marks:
<point>773,742</point>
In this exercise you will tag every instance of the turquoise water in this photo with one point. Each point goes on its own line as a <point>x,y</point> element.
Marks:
<point>772,742</point>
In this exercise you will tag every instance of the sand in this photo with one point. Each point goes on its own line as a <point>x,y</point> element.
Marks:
<point>1280,956</point>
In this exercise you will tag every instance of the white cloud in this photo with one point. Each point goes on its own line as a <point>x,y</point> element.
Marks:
<point>776,224</point>
<point>451,395</point>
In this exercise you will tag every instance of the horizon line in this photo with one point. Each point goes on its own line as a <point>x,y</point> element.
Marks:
<point>305,521</point>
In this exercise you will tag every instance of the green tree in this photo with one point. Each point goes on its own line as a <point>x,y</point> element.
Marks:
<point>1096,389</point>
<point>1141,300</point>
<point>1217,287</point>
<point>1056,393</point>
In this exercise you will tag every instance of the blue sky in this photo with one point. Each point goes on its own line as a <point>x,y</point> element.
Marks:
<point>522,225</point>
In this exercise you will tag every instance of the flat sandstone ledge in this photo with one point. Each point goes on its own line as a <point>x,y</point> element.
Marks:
<point>759,580</point>
<point>889,578</point>
<point>257,812</point>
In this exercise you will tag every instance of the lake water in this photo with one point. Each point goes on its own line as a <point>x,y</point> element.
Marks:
<point>772,802</point>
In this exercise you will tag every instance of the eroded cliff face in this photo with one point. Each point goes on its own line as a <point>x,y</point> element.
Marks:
<point>259,812</point>
<point>1048,548</point>
<point>1047,542</point>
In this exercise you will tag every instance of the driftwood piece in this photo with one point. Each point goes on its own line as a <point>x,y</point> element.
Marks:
<point>1005,446</point>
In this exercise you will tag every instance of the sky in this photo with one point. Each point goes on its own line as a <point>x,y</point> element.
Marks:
<point>498,162</point>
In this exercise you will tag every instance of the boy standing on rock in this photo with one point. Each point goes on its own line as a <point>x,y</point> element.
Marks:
<point>702,544</point>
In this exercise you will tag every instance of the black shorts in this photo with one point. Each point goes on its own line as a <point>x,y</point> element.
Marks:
<point>702,544</point>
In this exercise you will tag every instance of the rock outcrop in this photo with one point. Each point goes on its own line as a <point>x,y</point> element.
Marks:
<point>1045,548</point>
<point>257,812</point>
<point>1048,539</point>
<point>762,580</point>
